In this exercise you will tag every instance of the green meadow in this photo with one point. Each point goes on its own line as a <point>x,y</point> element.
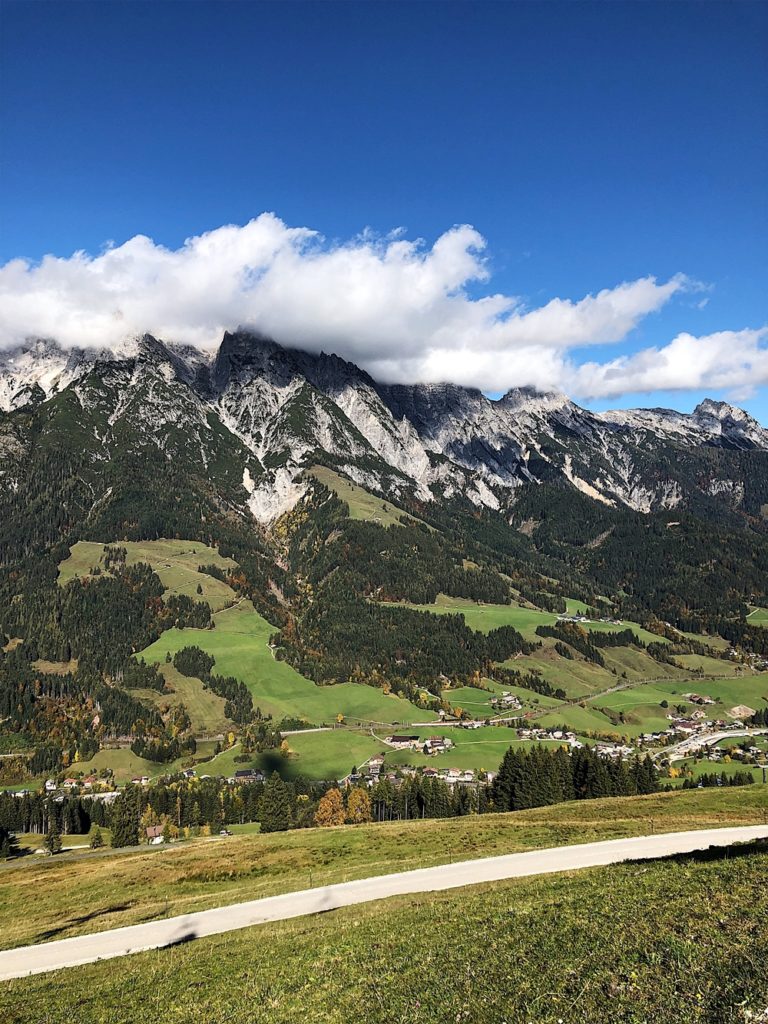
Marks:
<point>480,749</point>
<point>205,708</point>
<point>641,705</point>
<point>485,617</point>
<point>696,767</point>
<point>175,562</point>
<point>90,892</point>
<point>680,945</point>
<point>239,642</point>
<point>361,503</point>
<point>758,617</point>
<point>330,754</point>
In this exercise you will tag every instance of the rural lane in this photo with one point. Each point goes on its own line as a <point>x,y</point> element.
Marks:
<point>50,956</point>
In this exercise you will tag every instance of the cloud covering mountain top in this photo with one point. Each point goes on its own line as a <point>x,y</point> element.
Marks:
<point>401,309</point>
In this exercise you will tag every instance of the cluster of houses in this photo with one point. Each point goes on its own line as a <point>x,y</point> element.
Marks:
<point>757,662</point>
<point>247,776</point>
<point>506,702</point>
<point>432,745</point>
<point>89,783</point>
<point>373,772</point>
<point>749,756</point>
<point>586,618</point>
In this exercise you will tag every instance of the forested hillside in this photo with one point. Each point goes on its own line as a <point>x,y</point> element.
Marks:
<point>350,582</point>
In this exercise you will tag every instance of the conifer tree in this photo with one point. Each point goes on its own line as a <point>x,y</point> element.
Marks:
<point>275,805</point>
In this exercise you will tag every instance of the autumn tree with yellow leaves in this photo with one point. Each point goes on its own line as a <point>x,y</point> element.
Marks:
<point>330,810</point>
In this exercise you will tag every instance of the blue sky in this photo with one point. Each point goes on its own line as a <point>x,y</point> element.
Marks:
<point>588,144</point>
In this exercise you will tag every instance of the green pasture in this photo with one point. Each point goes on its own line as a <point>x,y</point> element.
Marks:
<point>758,617</point>
<point>361,503</point>
<point>175,562</point>
<point>641,705</point>
<point>485,617</point>
<point>240,644</point>
<point>680,945</point>
<point>312,755</point>
<point>90,892</point>
<point>477,701</point>
<point>577,677</point>
<point>709,666</point>
<point>125,765</point>
<point>695,768</point>
<point>205,708</point>
<point>579,719</point>
<point>716,642</point>
<point>480,749</point>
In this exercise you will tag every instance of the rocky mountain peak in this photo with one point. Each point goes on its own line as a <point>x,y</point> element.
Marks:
<point>289,408</point>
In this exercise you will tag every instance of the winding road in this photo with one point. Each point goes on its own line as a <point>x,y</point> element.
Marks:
<point>84,949</point>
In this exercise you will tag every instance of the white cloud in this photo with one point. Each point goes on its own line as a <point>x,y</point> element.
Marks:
<point>399,308</point>
<point>734,361</point>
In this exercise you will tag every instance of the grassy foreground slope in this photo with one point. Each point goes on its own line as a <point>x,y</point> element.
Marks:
<point>680,945</point>
<point>72,895</point>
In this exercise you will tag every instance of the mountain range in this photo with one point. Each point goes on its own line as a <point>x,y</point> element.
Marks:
<point>254,414</point>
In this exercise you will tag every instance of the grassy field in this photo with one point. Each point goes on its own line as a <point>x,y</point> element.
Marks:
<point>717,643</point>
<point>31,841</point>
<point>240,644</point>
<point>695,768</point>
<point>361,503</point>
<point>174,561</point>
<point>480,749</point>
<point>485,617</point>
<point>88,892</point>
<point>681,945</point>
<point>641,705</point>
<point>314,755</point>
<point>206,709</point>
<point>478,702</point>
<point>758,617</point>
<point>125,765</point>
<point>580,679</point>
<point>709,666</point>
<point>579,719</point>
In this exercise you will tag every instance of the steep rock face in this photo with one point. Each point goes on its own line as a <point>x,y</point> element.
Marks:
<point>257,414</point>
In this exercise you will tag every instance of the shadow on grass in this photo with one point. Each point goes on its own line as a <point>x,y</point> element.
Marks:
<point>714,853</point>
<point>182,940</point>
<point>73,922</point>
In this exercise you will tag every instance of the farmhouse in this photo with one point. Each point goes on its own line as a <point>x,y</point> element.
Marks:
<point>506,701</point>
<point>248,775</point>
<point>437,745</point>
<point>154,835</point>
<point>403,742</point>
<point>741,711</point>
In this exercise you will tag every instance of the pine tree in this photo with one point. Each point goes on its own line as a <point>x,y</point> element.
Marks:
<point>125,818</point>
<point>9,846</point>
<point>97,839</point>
<point>53,839</point>
<point>275,805</point>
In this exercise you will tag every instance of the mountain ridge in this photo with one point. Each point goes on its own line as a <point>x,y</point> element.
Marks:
<point>278,409</point>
